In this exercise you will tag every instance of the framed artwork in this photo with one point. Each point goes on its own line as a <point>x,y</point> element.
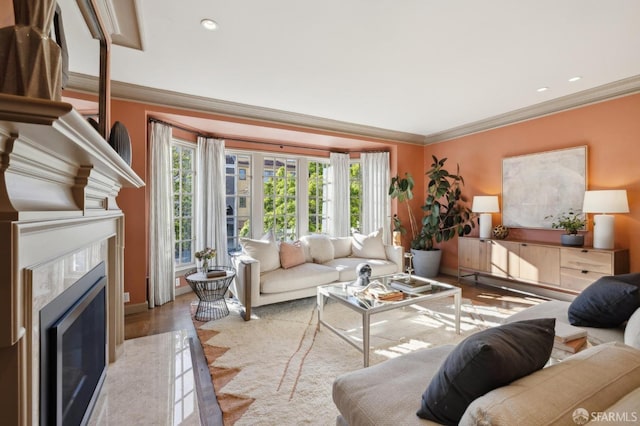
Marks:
<point>544,184</point>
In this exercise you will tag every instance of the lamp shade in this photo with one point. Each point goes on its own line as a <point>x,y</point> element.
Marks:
<point>485,204</point>
<point>605,201</point>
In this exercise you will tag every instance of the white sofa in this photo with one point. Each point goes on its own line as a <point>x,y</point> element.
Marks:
<point>603,380</point>
<point>261,279</point>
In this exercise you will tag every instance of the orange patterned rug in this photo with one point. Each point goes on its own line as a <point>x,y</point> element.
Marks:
<point>279,368</point>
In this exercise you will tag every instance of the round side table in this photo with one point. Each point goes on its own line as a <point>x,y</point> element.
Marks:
<point>210,292</point>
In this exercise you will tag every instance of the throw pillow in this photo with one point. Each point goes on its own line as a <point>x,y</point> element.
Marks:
<point>291,254</point>
<point>341,246</point>
<point>369,246</point>
<point>485,361</point>
<point>606,303</point>
<point>632,330</point>
<point>320,248</point>
<point>266,252</point>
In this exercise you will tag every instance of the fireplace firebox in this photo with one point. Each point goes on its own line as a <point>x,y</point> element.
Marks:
<point>73,350</point>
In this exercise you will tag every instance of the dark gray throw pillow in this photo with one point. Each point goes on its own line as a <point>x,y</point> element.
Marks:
<point>485,361</point>
<point>606,303</point>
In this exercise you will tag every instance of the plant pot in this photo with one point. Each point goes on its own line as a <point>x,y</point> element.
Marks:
<point>426,262</point>
<point>572,240</point>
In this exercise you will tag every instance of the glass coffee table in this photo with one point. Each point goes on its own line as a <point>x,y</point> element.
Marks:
<point>344,295</point>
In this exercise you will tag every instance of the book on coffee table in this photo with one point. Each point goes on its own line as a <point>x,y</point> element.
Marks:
<point>571,346</point>
<point>411,286</point>
<point>567,332</point>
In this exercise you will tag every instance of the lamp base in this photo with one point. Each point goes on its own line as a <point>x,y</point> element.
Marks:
<point>603,231</point>
<point>485,225</point>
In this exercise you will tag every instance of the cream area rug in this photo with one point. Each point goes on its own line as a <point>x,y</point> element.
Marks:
<point>278,368</point>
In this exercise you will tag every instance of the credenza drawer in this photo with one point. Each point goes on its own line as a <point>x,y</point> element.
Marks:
<point>577,280</point>
<point>587,260</point>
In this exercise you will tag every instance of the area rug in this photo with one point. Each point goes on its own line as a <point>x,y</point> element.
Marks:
<point>278,368</point>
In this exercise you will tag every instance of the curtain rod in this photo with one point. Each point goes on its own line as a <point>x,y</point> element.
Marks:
<point>281,145</point>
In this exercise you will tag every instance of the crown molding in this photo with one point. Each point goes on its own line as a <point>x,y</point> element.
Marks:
<point>149,95</point>
<point>602,93</point>
<point>133,92</point>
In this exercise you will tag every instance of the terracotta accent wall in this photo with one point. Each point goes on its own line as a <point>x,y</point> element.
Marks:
<point>611,132</point>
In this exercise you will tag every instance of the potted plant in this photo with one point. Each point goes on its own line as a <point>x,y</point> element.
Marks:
<point>571,222</point>
<point>402,189</point>
<point>445,216</point>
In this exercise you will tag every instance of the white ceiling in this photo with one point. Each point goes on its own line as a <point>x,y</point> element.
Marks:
<point>415,66</point>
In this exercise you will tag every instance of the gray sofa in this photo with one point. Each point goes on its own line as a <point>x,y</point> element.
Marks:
<point>261,279</point>
<point>600,379</point>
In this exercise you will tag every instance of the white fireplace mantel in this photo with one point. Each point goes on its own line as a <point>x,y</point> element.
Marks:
<point>59,180</point>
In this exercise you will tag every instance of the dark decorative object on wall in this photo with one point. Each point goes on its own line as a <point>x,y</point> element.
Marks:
<point>120,141</point>
<point>94,123</point>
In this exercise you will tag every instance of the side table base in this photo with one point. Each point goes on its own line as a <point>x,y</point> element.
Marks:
<point>213,310</point>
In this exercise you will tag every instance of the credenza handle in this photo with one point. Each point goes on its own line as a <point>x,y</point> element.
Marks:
<point>585,251</point>
<point>585,272</point>
<point>523,244</point>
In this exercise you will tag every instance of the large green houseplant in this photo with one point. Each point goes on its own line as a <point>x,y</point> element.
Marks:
<point>445,216</point>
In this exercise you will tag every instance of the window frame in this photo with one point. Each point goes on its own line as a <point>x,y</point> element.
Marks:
<point>180,266</point>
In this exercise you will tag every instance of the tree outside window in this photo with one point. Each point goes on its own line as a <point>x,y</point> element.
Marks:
<point>183,156</point>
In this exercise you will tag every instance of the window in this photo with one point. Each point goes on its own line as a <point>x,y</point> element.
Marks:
<point>238,196</point>
<point>317,186</point>
<point>355,197</point>
<point>183,192</point>
<point>279,190</point>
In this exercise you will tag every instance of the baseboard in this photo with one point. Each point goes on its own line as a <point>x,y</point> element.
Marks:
<point>183,290</point>
<point>130,309</point>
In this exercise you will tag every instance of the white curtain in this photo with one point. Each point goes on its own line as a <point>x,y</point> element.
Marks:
<point>339,215</point>
<point>210,206</point>
<point>376,207</point>
<point>161,238</point>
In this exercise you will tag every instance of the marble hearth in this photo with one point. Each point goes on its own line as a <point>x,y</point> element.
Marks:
<point>58,217</point>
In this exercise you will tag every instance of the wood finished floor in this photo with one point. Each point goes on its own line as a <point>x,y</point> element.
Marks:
<point>176,315</point>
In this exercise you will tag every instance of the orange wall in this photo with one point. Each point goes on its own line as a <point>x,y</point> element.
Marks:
<point>611,132</point>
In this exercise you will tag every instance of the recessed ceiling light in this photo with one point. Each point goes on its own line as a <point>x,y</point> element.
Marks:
<point>542,89</point>
<point>209,24</point>
<point>576,78</point>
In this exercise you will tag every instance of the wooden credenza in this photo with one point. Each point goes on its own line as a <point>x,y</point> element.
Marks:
<point>567,269</point>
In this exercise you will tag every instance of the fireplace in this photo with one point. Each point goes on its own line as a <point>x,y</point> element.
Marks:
<point>59,219</point>
<point>73,350</point>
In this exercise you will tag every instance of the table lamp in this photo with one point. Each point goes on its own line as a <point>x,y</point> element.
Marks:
<point>485,205</point>
<point>605,201</point>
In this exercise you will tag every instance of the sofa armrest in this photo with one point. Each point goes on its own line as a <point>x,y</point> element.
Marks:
<point>395,254</point>
<point>247,281</point>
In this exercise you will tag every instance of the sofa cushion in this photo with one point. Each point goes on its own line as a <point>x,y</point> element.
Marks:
<point>593,379</point>
<point>296,278</point>
<point>266,252</point>
<point>341,246</point>
<point>346,267</point>
<point>320,248</point>
<point>369,246</point>
<point>608,302</point>
<point>291,254</point>
<point>363,396</point>
<point>484,361</point>
<point>632,330</point>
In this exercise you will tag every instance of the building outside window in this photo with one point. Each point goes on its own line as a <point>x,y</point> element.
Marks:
<point>238,196</point>
<point>183,173</point>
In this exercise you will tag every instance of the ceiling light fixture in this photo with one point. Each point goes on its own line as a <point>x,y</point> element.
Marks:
<point>542,89</point>
<point>209,24</point>
<point>576,78</point>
